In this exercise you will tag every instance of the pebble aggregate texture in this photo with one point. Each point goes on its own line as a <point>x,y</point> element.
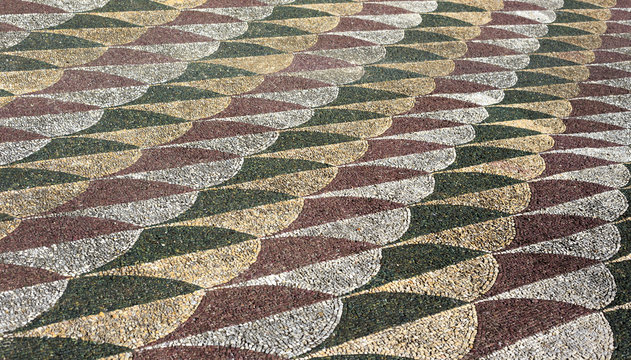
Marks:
<point>315,179</point>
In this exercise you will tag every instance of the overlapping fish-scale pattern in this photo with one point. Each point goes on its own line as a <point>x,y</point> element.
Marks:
<point>314,179</point>
<point>94,193</point>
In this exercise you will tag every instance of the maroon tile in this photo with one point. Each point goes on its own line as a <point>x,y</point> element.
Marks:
<point>26,7</point>
<point>619,14</point>
<point>8,134</point>
<point>484,50</point>
<point>598,72</point>
<point>557,163</point>
<point>405,125</point>
<point>386,148</point>
<point>448,86</point>
<point>117,191</point>
<point>617,28</point>
<point>122,56</point>
<point>15,276</point>
<point>349,177</point>
<point>33,233</point>
<point>323,210</point>
<point>252,106</point>
<point>613,42</point>
<point>573,125</point>
<point>34,106</point>
<point>547,193</point>
<point>604,56</point>
<point>532,229</point>
<point>330,41</point>
<point>215,129</point>
<point>4,27</point>
<point>489,33</point>
<point>206,352</point>
<point>520,6</point>
<point>474,67</point>
<point>231,3</point>
<point>79,80</point>
<point>381,9</point>
<point>163,35</point>
<point>600,90</point>
<point>502,18</point>
<point>278,255</point>
<point>231,306</point>
<point>520,269</point>
<point>585,107</point>
<point>355,24</point>
<point>436,103</point>
<point>189,17</point>
<point>575,142</point>
<point>173,157</point>
<point>504,322</point>
<point>286,83</point>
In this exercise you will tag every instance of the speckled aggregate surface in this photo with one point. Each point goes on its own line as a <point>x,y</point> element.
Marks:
<point>315,179</point>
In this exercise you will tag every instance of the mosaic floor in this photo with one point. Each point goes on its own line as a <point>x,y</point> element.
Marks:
<point>315,179</point>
